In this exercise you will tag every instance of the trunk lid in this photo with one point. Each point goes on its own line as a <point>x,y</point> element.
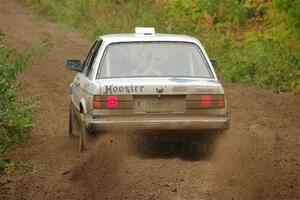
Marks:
<point>159,95</point>
<point>159,86</point>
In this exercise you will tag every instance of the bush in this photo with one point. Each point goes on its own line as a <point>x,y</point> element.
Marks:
<point>255,41</point>
<point>15,115</point>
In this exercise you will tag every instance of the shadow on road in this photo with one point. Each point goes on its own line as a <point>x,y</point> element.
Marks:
<point>191,146</point>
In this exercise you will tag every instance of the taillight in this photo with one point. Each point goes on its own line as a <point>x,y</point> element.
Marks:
<point>206,100</point>
<point>112,101</point>
<point>97,102</point>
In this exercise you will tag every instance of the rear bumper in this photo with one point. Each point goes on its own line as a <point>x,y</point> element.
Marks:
<point>158,122</point>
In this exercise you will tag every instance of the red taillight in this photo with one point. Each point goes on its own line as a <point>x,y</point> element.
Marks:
<point>206,100</point>
<point>97,102</point>
<point>112,101</point>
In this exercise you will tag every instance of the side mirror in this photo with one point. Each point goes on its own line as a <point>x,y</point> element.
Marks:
<point>74,65</point>
<point>214,63</point>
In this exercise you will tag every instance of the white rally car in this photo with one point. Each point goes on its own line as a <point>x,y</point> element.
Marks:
<point>145,80</point>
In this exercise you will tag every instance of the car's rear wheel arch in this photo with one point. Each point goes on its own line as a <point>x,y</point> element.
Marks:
<point>81,108</point>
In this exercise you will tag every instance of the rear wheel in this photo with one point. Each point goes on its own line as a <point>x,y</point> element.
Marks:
<point>73,123</point>
<point>77,129</point>
<point>83,135</point>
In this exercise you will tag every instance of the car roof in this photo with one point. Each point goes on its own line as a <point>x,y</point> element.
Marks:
<point>123,37</point>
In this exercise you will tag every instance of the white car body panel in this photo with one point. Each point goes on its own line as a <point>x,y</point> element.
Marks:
<point>182,89</point>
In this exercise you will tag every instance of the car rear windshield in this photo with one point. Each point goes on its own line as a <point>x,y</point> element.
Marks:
<point>153,59</point>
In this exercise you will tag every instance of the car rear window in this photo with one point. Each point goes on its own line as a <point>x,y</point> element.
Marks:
<point>153,59</point>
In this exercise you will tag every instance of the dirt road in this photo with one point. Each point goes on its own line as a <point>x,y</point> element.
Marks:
<point>258,158</point>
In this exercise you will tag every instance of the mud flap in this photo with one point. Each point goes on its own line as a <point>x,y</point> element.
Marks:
<point>73,123</point>
<point>84,135</point>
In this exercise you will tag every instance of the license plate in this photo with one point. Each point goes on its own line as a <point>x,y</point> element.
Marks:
<point>160,105</point>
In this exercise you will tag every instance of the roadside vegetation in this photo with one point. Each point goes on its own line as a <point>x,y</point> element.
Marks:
<point>16,115</point>
<point>254,41</point>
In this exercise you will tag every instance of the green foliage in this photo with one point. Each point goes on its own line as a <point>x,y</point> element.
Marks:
<point>255,41</point>
<point>270,63</point>
<point>96,17</point>
<point>15,115</point>
<point>7,167</point>
<point>292,10</point>
<point>30,167</point>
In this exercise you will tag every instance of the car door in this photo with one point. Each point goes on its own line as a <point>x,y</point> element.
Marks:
<point>84,79</point>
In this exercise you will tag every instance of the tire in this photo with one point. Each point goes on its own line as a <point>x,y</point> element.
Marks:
<point>73,123</point>
<point>82,136</point>
<point>82,142</point>
<point>77,129</point>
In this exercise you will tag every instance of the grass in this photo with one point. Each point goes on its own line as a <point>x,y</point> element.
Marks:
<point>255,42</point>
<point>30,167</point>
<point>16,116</point>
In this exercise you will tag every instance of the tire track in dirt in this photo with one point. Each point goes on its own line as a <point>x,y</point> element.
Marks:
<point>258,158</point>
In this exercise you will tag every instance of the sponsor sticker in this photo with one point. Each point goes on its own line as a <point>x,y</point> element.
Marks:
<point>205,89</point>
<point>179,88</point>
<point>112,89</point>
